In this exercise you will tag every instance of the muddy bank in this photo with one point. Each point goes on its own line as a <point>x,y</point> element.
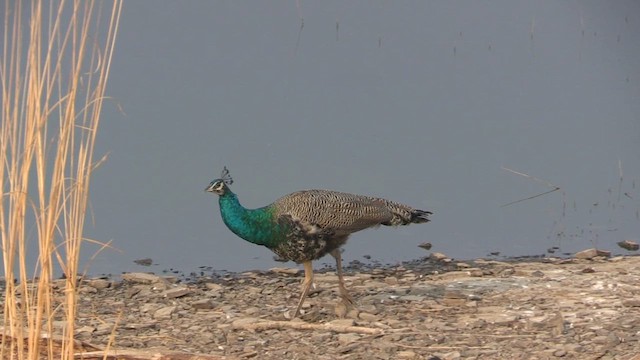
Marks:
<point>482,309</point>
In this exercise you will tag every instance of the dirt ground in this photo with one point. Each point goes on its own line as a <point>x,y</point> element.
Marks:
<point>425,309</point>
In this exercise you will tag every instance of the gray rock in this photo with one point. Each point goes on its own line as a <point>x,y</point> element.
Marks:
<point>631,302</point>
<point>141,278</point>
<point>391,280</point>
<point>629,245</point>
<point>99,284</point>
<point>177,292</point>
<point>368,317</point>
<point>149,307</point>
<point>440,257</point>
<point>591,253</point>
<point>164,313</point>
<point>85,329</point>
<point>346,339</point>
<point>144,262</point>
<point>204,304</point>
<point>406,354</point>
<point>287,271</point>
<point>560,353</point>
<point>244,321</point>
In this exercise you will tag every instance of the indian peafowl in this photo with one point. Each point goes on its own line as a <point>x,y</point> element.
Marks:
<point>306,225</point>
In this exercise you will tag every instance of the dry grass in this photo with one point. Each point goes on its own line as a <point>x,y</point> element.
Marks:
<point>54,67</point>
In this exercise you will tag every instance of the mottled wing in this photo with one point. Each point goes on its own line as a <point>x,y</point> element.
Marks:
<point>339,213</point>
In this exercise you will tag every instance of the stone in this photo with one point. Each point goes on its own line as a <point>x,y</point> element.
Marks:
<point>98,284</point>
<point>144,262</point>
<point>141,278</point>
<point>287,271</point>
<point>245,321</point>
<point>411,298</point>
<point>87,290</point>
<point>346,339</point>
<point>553,322</point>
<point>164,313</point>
<point>203,304</point>
<point>439,256</point>
<point>591,253</point>
<point>214,286</point>
<point>631,302</point>
<point>629,245</point>
<point>365,316</point>
<point>406,354</point>
<point>176,292</point>
<point>560,353</point>
<point>391,280</point>
<point>85,329</point>
<point>149,307</point>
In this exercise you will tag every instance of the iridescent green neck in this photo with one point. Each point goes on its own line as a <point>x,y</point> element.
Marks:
<point>257,226</point>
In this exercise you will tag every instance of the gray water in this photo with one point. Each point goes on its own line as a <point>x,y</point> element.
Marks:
<point>419,102</point>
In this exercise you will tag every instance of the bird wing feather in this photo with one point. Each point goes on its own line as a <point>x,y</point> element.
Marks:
<point>339,213</point>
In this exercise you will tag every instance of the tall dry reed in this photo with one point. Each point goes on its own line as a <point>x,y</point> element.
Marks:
<point>55,62</point>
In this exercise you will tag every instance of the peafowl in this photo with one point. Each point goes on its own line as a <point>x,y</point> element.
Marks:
<point>306,225</point>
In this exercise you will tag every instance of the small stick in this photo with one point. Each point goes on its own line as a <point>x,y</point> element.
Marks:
<point>148,354</point>
<point>268,325</point>
<point>621,177</point>
<point>546,183</point>
<point>439,347</point>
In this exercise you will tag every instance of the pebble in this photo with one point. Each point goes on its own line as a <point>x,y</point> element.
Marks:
<point>177,292</point>
<point>391,280</point>
<point>591,253</point>
<point>406,354</point>
<point>98,284</point>
<point>203,304</point>
<point>629,245</point>
<point>144,262</point>
<point>635,302</point>
<point>439,256</point>
<point>141,278</point>
<point>346,339</point>
<point>286,271</point>
<point>164,313</point>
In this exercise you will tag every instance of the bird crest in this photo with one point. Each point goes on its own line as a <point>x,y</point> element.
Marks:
<point>224,176</point>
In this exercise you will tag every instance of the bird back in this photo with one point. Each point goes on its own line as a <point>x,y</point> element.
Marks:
<point>344,213</point>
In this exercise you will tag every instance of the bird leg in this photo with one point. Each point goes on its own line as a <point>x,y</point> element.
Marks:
<point>344,294</point>
<point>306,285</point>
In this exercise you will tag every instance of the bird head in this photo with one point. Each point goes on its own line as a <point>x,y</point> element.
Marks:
<point>220,186</point>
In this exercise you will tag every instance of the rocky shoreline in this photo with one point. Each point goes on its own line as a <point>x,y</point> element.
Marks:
<point>425,309</point>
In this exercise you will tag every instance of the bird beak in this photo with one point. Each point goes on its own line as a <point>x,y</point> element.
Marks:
<point>209,188</point>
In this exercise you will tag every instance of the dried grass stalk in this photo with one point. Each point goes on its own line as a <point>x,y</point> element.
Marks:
<point>53,71</point>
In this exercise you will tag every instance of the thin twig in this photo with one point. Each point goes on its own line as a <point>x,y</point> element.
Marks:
<point>440,347</point>
<point>545,182</point>
<point>268,325</point>
<point>530,197</point>
<point>147,354</point>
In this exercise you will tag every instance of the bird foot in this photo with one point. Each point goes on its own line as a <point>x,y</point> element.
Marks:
<point>346,308</point>
<point>348,300</point>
